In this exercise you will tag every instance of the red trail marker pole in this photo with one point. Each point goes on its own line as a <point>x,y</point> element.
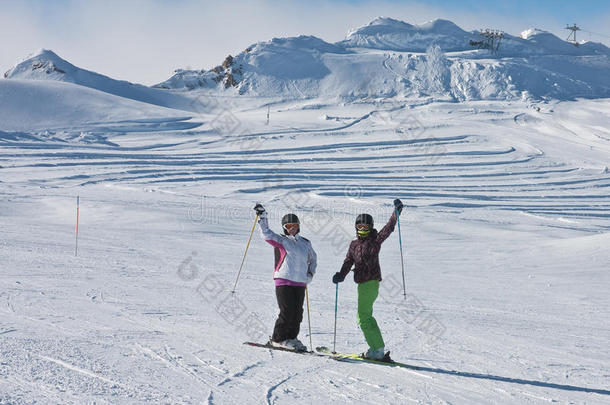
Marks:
<point>77,211</point>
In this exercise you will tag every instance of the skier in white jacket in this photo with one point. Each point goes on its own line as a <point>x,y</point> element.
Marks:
<point>295,266</point>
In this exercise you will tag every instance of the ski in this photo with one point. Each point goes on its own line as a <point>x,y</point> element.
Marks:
<point>326,352</point>
<point>283,349</point>
<point>356,358</point>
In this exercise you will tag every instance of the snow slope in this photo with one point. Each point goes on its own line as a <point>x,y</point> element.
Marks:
<point>46,65</point>
<point>505,235</point>
<point>32,110</point>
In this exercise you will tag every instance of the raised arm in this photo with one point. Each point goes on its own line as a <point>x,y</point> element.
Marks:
<point>389,227</point>
<point>267,233</point>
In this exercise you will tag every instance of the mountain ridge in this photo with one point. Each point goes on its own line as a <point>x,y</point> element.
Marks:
<point>385,58</point>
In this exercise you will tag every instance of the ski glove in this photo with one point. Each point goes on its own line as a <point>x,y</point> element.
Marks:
<point>338,278</point>
<point>398,205</point>
<point>259,209</point>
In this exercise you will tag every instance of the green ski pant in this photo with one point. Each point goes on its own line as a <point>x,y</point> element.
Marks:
<point>367,294</point>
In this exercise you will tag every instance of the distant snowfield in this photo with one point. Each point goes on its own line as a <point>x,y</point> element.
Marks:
<point>27,105</point>
<point>505,230</point>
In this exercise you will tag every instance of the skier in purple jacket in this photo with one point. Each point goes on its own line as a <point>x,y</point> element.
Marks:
<point>363,255</point>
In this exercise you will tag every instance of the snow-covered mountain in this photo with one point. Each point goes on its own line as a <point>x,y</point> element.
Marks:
<point>46,65</point>
<point>393,35</point>
<point>386,58</point>
<point>536,41</point>
<point>391,58</point>
<point>277,67</point>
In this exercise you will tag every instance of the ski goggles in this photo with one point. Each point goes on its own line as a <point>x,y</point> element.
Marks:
<point>363,227</point>
<point>290,227</point>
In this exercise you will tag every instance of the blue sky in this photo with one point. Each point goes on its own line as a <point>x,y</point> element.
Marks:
<point>565,10</point>
<point>145,40</point>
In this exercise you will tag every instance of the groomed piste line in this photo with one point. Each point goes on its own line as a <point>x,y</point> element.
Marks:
<point>463,171</point>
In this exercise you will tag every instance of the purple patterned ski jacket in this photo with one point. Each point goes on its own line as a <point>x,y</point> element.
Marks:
<point>363,254</point>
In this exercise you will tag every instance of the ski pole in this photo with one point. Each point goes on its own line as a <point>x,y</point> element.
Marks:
<point>244,258</point>
<point>77,209</point>
<point>402,260</point>
<point>335,334</point>
<point>308,318</point>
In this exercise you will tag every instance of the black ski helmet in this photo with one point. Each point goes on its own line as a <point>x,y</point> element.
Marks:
<point>364,219</point>
<point>290,219</point>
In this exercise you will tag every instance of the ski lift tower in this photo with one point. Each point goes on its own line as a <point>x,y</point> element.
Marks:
<point>490,40</point>
<point>493,38</point>
<point>572,35</point>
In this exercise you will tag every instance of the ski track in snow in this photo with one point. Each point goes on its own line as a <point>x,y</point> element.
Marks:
<point>269,396</point>
<point>174,363</point>
<point>79,370</point>
<point>503,207</point>
<point>240,373</point>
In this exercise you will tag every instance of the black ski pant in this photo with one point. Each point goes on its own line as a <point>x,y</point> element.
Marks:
<point>290,300</point>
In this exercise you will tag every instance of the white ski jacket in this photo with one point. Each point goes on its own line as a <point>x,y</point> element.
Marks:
<point>295,258</point>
